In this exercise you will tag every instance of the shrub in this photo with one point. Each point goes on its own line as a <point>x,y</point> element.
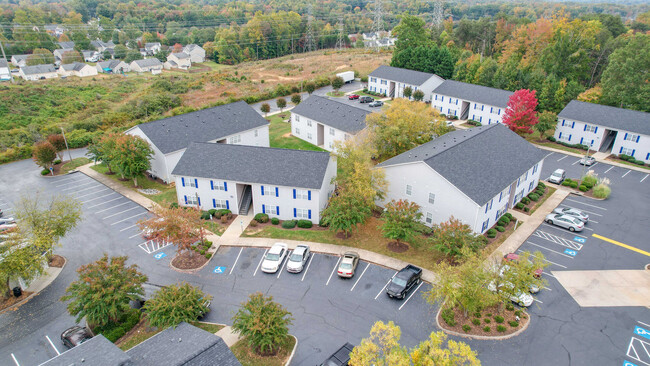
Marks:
<point>501,328</point>
<point>487,320</point>
<point>574,185</point>
<point>566,183</point>
<point>499,319</point>
<point>275,221</point>
<point>476,321</point>
<point>500,229</point>
<point>602,191</point>
<point>501,223</point>
<point>486,329</point>
<point>519,205</point>
<point>488,315</point>
<point>57,161</point>
<point>224,211</point>
<point>505,219</point>
<point>491,233</point>
<point>551,139</point>
<point>477,314</point>
<point>202,252</point>
<point>212,211</point>
<point>252,224</point>
<point>114,331</point>
<point>583,188</point>
<point>173,205</point>
<point>466,328</point>
<point>525,200</point>
<point>589,180</point>
<point>205,215</point>
<point>625,157</point>
<point>510,307</point>
<point>533,197</point>
<point>526,209</point>
<point>541,184</point>
<point>518,313</point>
<point>304,224</point>
<point>508,215</point>
<point>639,162</point>
<point>322,223</point>
<point>208,255</point>
<point>45,172</point>
<point>513,323</point>
<point>224,219</point>
<point>540,192</point>
<point>448,316</point>
<point>289,224</point>
<point>261,218</point>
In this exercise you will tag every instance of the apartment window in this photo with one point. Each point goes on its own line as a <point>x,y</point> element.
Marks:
<point>409,190</point>
<point>218,186</point>
<point>346,137</point>
<point>268,191</point>
<point>535,168</point>
<point>432,198</point>
<point>429,218</point>
<point>297,118</point>
<point>332,131</point>
<point>627,151</point>
<point>384,82</point>
<point>192,200</point>
<point>302,213</point>
<point>270,210</point>
<point>193,183</point>
<point>331,145</point>
<point>309,123</point>
<point>488,206</point>
<point>220,203</point>
<point>302,194</point>
<point>308,136</point>
<point>235,139</point>
<point>485,225</point>
<point>297,131</point>
<point>374,80</point>
<point>631,137</point>
<point>590,128</point>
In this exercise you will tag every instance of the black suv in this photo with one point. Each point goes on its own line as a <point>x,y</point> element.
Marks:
<point>366,99</point>
<point>341,357</point>
<point>404,281</point>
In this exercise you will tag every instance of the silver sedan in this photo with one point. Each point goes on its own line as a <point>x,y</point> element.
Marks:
<point>298,259</point>
<point>565,221</point>
<point>573,212</point>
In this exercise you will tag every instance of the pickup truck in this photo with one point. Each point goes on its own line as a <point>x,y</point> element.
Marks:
<point>341,357</point>
<point>403,281</point>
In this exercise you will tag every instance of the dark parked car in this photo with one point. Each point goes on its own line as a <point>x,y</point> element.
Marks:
<point>366,99</point>
<point>376,103</point>
<point>75,336</point>
<point>353,96</point>
<point>339,358</point>
<point>404,281</point>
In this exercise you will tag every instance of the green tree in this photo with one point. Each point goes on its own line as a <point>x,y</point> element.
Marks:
<point>106,55</point>
<point>174,304</point>
<point>44,154</point>
<point>408,92</point>
<point>104,289</point>
<point>161,55</point>
<point>59,144</point>
<point>296,99</point>
<point>69,57</point>
<point>418,95</point>
<point>512,278</point>
<point>281,103</point>
<point>132,55</point>
<point>454,239</point>
<point>624,82</point>
<point>266,108</point>
<point>40,56</point>
<point>104,149</point>
<point>22,257</point>
<point>400,219</point>
<point>120,51</point>
<point>337,83</point>
<point>263,322</point>
<point>132,154</point>
<point>52,222</point>
<point>410,32</point>
<point>310,87</point>
<point>345,212</point>
<point>547,121</point>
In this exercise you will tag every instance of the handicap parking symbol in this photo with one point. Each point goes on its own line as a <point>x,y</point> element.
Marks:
<point>160,255</point>
<point>628,363</point>
<point>570,252</point>
<point>642,332</point>
<point>579,239</point>
<point>219,269</point>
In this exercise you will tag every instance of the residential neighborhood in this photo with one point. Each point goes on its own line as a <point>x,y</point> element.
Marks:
<point>391,82</point>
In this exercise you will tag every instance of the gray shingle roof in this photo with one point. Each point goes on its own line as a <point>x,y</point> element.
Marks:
<point>37,69</point>
<point>183,345</point>
<point>109,64</point>
<point>177,132</point>
<point>480,161</point>
<point>20,57</point>
<point>3,63</point>
<point>75,66</point>
<point>181,55</point>
<point>401,75</point>
<point>67,45</point>
<point>96,351</point>
<point>147,62</point>
<point>254,164</point>
<point>611,117</point>
<point>333,113</point>
<point>475,93</point>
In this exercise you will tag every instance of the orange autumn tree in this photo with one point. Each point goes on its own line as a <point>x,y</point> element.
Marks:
<point>178,225</point>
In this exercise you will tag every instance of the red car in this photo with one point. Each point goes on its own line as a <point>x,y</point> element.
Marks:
<point>353,97</point>
<point>512,257</point>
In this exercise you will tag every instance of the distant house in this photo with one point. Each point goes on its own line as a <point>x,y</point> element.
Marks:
<point>77,69</point>
<point>91,56</point>
<point>178,60</point>
<point>66,45</point>
<point>55,29</point>
<point>606,129</point>
<point>234,123</point>
<point>38,72</point>
<point>462,174</point>
<point>102,46</point>
<point>60,53</point>
<point>152,65</point>
<point>152,48</point>
<point>470,101</point>
<point>391,81</point>
<point>19,60</point>
<point>322,121</point>
<point>5,73</point>
<point>112,67</point>
<point>196,52</point>
<point>183,345</point>
<point>283,183</point>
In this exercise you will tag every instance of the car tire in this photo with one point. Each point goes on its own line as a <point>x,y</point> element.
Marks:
<point>550,221</point>
<point>571,229</point>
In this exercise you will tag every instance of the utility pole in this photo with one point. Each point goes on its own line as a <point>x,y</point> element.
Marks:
<point>11,76</point>
<point>66,143</point>
<point>378,23</point>
<point>339,42</point>
<point>309,39</point>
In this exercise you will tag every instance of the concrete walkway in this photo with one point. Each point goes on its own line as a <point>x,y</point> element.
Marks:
<point>226,333</point>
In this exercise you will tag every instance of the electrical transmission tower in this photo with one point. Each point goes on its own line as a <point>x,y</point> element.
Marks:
<point>309,39</point>
<point>339,42</point>
<point>437,15</point>
<point>378,23</point>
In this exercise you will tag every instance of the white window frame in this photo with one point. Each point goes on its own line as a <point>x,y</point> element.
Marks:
<point>220,204</point>
<point>297,118</point>
<point>332,131</point>
<point>192,200</point>
<point>192,183</point>
<point>234,139</point>
<point>590,128</point>
<point>631,137</point>
<point>218,186</point>
<point>309,123</point>
<point>429,218</point>
<point>432,198</point>
<point>409,190</point>
<point>626,150</point>
<point>302,194</point>
<point>309,135</point>
<point>269,191</point>
<point>271,209</point>
<point>297,131</point>
<point>302,213</point>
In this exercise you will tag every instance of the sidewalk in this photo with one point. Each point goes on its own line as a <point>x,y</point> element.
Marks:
<point>124,191</point>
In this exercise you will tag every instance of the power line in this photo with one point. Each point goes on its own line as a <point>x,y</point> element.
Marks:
<point>437,15</point>
<point>309,40</point>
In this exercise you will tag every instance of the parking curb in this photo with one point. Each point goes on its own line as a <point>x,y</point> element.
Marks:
<point>293,352</point>
<point>189,271</point>
<point>48,283</point>
<point>483,338</point>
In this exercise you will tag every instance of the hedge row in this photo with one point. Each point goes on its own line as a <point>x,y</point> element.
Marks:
<point>575,146</point>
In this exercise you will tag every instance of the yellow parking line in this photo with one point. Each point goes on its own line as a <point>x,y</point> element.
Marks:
<point>621,244</point>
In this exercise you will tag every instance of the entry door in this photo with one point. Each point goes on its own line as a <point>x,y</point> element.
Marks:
<point>320,135</point>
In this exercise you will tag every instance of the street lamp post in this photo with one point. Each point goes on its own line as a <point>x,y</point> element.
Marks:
<point>66,144</point>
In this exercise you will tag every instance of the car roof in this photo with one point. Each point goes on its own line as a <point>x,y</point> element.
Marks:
<point>300,249</point>
<point>277,247</point>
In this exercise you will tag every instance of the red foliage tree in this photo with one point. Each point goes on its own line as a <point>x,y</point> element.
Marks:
<point>520,115</point>
<point>178,48</point>
<point>59,144</point>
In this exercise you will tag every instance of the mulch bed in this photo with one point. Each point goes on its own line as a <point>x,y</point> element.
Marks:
<point>533,204</point>
<point>396,247</point>
<point>185,261</point>
<point>508,315</point>
<point>342,235</point>
<point>57,261</point>
<point>6,303</point>
<point>510,225</point>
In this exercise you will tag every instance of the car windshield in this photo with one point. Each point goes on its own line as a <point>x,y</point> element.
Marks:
<point>576,221</point>
<point>296,258</point>
<point>272,257</point>
<point>399,281</point>
<point>556,174</point>
<point>346,265</point>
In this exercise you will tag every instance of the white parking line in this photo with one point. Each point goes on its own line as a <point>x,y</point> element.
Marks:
<point>260,263</point>
<point>594,164</point>
<point>642,323</point>
<point>546,288</point>
<point>80,185</point>
<point>358,279</point>
<point>52,344</point>
<point>610,168</point>
<point>383,288</point>
<point>628,172</point>
<point>91,193</point>
<point>308,264</point>
<point>236,259</point>
<point>100,197</point>
<point>89,188</point>
<point>15,360</point>
<point>562,229</point>
<point>562,158</point>
<point>411,295</point>
<point>121,212</point>
<point>587,204</point>
<point>74,181</point>
<point>577,161</point>
<point>549,154</point>
<point>129,227</point>
<point>546,260</point>
<point>286,260</point>
<point>589,212</point>
<point>64,179</point>
<point>133,236</point>
<point>121,204</point>
<point>102,203</point>
<point>642,179</point>
<point>333,270</point>
<point>140,214</point>
<point>586,228</point>
<point>550,250</point>
<point>595,222</point>
<point>548,274</point>
<point>537,300</point>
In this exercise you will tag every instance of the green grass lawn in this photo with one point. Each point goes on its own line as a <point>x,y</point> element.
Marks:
<point>167,192</point>
<point>337,94</point>
<point>279,134</point>
<point>74,164</point>
<point>214,227</point>
<point>647,167</point>
<point>247,357</point>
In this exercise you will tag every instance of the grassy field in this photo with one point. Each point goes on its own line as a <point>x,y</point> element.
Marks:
<point>74,164</point>
<point>167,192</point>
<point>280,134</point>
<point>246,356</point>
<point>368,237</point>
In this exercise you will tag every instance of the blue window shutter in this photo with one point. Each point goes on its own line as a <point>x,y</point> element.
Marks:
<point>480,119</point>
<point>592,142</point>
<point>225,186</point>
<point>442,98</point>
<point>262,190</point>
<point>647,157</point>
<point>500,195</point>
<point>277,192</point>
<point>637,138</point>
<point>621,151</point>
<point>183,181</point>
<point>294,193</point>
<point>211,185</point>
<point>277,210</point>
<point>199,200</point>
<point>633,152</point>
<point>562,122</point>
<point>560,135</point>
<point>309,195</point>
<point>227,205</point>
<point>489,121</point>
<point>264,209</point>
<point>569,137</point>
<point>573,124</point>
<point>624,138</point>
<point>581,139</point>
<point>214,203</point>
<point>596,130</point>
<point>294,212</point>
<point>499,113</point>
<point>185,199</point>
<point>482,107</point>
<point>196,183</point>
<point>490,109</point>
<point>309,214</point>
<point>585,128</point>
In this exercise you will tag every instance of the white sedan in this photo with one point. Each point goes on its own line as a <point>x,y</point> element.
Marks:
<point>565,221</point>
<point>298,259</point>
<point>274,258</point>
<point>573,212</point>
